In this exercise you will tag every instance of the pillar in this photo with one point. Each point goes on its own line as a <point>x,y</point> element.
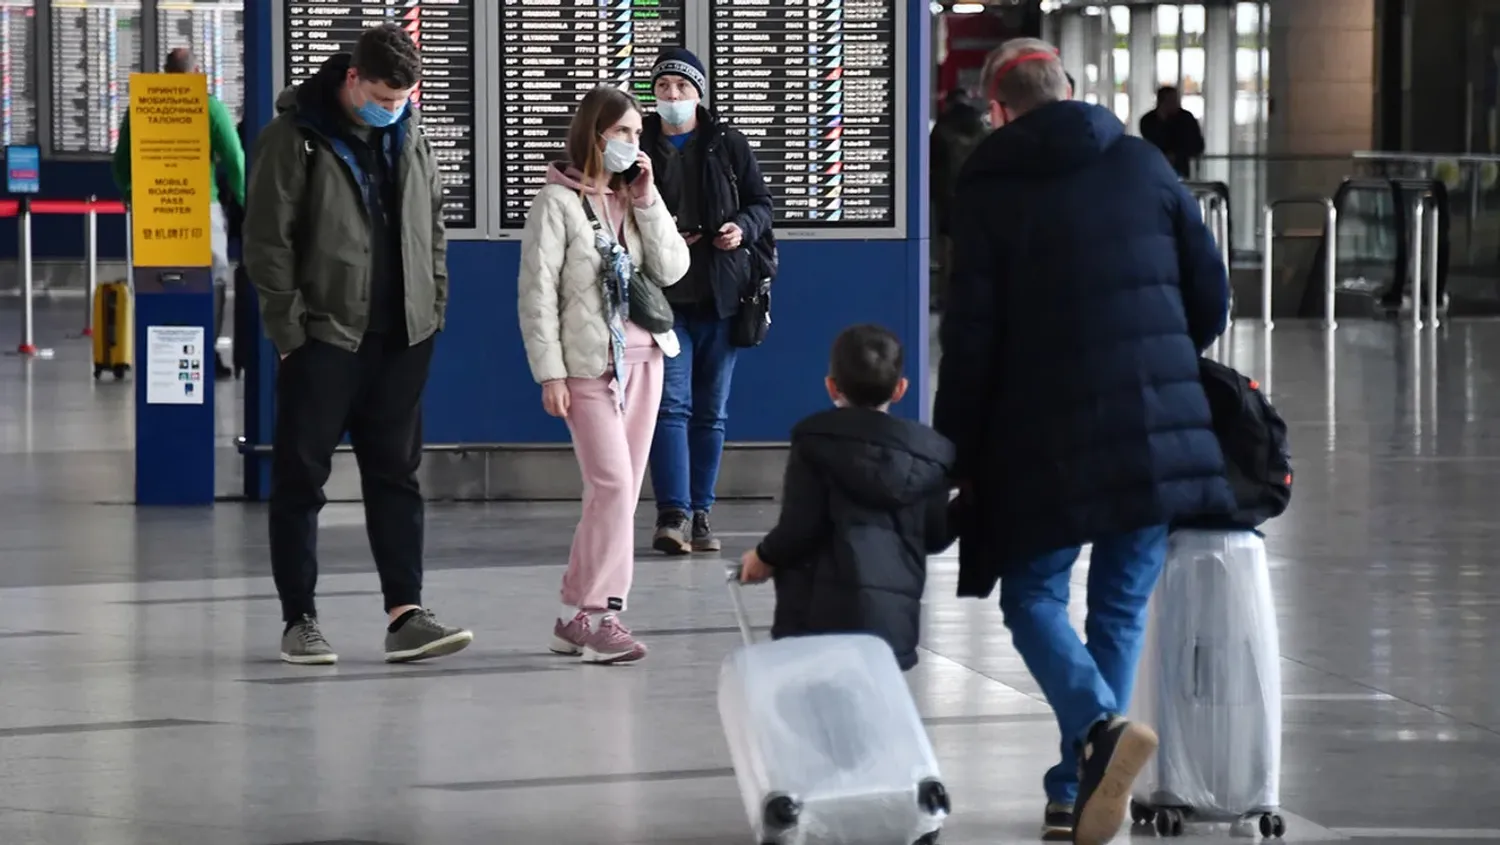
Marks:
<point>1143,83</point>
<point>1072,46</point>
<point>1218,91</point>
<point>1322,82</point>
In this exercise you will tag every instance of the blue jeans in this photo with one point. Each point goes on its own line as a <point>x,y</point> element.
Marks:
<point>694,405</point>
<point>1084,684</point>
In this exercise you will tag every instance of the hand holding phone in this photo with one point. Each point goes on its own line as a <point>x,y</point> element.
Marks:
<point>640,177</point>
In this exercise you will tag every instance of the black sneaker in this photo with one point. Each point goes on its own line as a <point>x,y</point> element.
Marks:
<point>1057,823</point>
<point>673,533</point>
<point>1113,757</point>
<point>703,534</point>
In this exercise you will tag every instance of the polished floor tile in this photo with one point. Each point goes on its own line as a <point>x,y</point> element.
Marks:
<point>141,701</point>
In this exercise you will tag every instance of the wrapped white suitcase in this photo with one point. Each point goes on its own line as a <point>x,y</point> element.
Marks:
<point>827,744</point>
<point>1209,682</point>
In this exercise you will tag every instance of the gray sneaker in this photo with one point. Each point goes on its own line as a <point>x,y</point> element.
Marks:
<point>703,534</point>
<point>673,533</point>
<point>422,636</point>
<point>304,645</point>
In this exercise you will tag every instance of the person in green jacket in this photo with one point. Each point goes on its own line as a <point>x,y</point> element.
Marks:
<point>229,155</point>
<point>345,245</point>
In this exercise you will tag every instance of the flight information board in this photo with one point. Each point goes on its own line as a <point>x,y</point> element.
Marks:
<point>813,85</point>
<point>552,53</point>
<point>215,31</point>
<point>447,96</point>
<point>17,80</point>
<point>95,46</point>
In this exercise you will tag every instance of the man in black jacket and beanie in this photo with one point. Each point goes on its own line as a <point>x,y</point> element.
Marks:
<point>709,179</point>
<point>1084,287</point>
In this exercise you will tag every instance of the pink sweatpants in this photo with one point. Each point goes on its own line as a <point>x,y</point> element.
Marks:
<point>613,449</point>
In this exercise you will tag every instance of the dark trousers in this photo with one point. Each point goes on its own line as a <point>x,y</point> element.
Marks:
<point>375,395</point>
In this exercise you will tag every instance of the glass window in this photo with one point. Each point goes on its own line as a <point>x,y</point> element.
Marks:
<point>1168,61</point>
<point>1249,76</point>
<point>1194,20</point>
<point>1247,179</point>
<point>1167,24</point>
<point>1119,20</point>
<point>1090,84</point>
<point>1194,60</point>
<point>1247,19</point>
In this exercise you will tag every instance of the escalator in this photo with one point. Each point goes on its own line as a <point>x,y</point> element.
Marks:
<point>1376,216</point>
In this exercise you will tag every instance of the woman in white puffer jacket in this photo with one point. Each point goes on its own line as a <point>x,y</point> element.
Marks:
<point>600,372</point>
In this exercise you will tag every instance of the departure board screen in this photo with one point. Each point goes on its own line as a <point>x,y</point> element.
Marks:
<point>215,31</point>
<point>812,84</point>
<point>95,46</point>
<point>17,79</point>
<point>553,52</point>
<point>447,96</point>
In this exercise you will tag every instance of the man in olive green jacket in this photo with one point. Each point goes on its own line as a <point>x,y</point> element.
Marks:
<point>344,242</point>
<point>229,159</point>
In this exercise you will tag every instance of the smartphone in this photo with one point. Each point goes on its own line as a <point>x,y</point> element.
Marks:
<point>631,173</point>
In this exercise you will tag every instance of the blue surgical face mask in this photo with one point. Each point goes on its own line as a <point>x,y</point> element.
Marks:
<point>676,112</point>
<point>378,116</point>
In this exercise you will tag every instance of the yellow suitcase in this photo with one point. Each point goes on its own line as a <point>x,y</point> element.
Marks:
<point>114,337</point>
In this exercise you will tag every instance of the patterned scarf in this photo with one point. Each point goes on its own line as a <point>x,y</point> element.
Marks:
<point>618,270</point>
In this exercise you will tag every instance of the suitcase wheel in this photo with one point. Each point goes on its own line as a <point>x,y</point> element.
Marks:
<point>1140,814</point>
<point>98,371</point>
<point>1169,822</point>
<point>933,797</point>
<point>781,813</point>
<point>929,839</point>
<point>1272,826</point>
<point>120,370</point>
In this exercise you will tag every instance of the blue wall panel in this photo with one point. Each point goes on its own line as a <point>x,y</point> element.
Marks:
<point>61,236</point>
<point>481,389</point>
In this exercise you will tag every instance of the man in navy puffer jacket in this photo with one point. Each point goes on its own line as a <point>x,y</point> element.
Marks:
<point>1084,287</point>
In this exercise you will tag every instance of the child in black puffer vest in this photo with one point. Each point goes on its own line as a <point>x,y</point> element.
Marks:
<point>863,504</point>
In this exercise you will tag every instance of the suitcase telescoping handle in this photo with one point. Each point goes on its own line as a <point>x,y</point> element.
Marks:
<point>737,599</point>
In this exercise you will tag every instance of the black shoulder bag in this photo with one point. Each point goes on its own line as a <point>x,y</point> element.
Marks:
<point>648,306</point>
<point>749,325</point>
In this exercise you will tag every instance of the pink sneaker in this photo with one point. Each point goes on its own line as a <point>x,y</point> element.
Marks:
<point>569,638</point>
<point>612,643</point>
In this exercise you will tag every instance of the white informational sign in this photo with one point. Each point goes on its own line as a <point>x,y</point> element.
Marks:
<point>175,356</point>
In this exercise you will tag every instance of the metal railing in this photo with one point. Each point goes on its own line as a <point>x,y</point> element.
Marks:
<point>1214,207</point>
<point>1330,256</point>
<point>1473,184</point>
<point>1424,235</point>
<point>1389,238</point>
<point>23,210</point>
<point>1255,179</point>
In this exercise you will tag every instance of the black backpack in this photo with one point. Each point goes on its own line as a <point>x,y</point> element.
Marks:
<point>1253,438</point>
